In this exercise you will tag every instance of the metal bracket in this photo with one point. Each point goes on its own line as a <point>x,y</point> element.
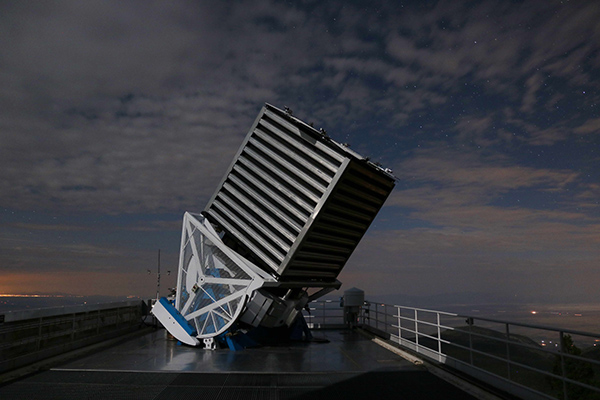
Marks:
<point>210,344</point>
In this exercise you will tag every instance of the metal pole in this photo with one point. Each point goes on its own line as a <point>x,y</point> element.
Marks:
<point>73,328</point>
<point>508,349</point>
<point>416,330</point>
<point>385,316</point>
<point>470,340</point>
<point>439,337</point>
<point>39,337</point>
<point>399,325</point>
<point>158,278</point>
<point>562,365</point>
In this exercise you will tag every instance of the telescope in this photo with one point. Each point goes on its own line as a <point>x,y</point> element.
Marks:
<point>282,223</point>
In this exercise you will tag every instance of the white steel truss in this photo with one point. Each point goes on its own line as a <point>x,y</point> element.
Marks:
<point>214,282</point>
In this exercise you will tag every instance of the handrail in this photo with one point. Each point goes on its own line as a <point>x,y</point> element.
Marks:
<point>437,349</point>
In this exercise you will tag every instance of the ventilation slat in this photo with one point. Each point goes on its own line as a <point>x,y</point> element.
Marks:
<point>314,185</point>
<point>274,218</point>
<point>253,228</point>
<point>284,193</point>
<point>295,202</point>
<point>291,128</point>
<point>270,167</point>
<point>245,232</point>
<point>311,153</point>
<point>259,218</point>
<point>234,230</point>
<point>297,158</point>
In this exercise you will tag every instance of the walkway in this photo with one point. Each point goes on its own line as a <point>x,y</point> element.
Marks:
<point>349,366</point>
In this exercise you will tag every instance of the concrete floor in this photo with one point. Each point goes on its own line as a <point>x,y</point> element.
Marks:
<point>348,366</point>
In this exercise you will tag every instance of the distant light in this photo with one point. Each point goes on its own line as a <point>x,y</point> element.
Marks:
<point>534,312</point>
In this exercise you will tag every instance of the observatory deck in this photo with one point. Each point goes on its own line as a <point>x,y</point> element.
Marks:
<point>154,366</point>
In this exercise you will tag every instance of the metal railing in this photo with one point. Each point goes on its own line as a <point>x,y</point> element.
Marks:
<point>32,335</point>
<point>324,314</point>
<point>529,361</point>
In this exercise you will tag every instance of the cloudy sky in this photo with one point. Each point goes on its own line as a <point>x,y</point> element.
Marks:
<point>116,117</point>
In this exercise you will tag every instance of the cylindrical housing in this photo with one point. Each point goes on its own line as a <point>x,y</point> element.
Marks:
<point>354,297</point>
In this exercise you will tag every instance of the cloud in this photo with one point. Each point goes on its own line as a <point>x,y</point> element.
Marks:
<point>131,108</point>
<point>419,262</point>
<point>116,114</point>
<point>107,111</point>
<point>466,169</point>
<point>447,224</point>
<point>533,84</point>
<point>589,126</point>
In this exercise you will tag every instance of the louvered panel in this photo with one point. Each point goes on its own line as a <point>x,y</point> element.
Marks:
<point>300,270</point>
<point>283,195</point>
<point>316,256</point>
<point>333,231</point>
<point>338,241</point>
<point>366,181</point>
<point>285,178</point>
<point>272,217</point>
<point>366,197</point>
<point>297,159</point>
<point>324,247</point>
<point>243,233</point>
<point>317,186</point>
<point>347,213</point>
<point>257,219</point>
<point>248,220</point>
<point>344,222</point>
<point>294,129</point>
<point>222,220</point>
<point>344,200</point>
<point>301,267</point>
<point>295,200</point>
<point>302,148</point>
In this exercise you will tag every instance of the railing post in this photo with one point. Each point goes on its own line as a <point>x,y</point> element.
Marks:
<point>385,318</point>
<point>376,316</point>
<point>508,350</point>
<point>439,336</point>
<point>39,338</point>
<point>562,365</point>
<point>399,324</point>
<point>471,322</point>
<point>416,330</point>
<point>363,315</point>
<point>73,328</point>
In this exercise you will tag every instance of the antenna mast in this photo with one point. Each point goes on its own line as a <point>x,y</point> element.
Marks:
<point>158,278</point>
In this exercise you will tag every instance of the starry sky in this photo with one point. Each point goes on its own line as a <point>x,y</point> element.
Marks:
<point>118,116</point>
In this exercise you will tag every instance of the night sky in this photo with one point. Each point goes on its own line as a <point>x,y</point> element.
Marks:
<point>116,117</point>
